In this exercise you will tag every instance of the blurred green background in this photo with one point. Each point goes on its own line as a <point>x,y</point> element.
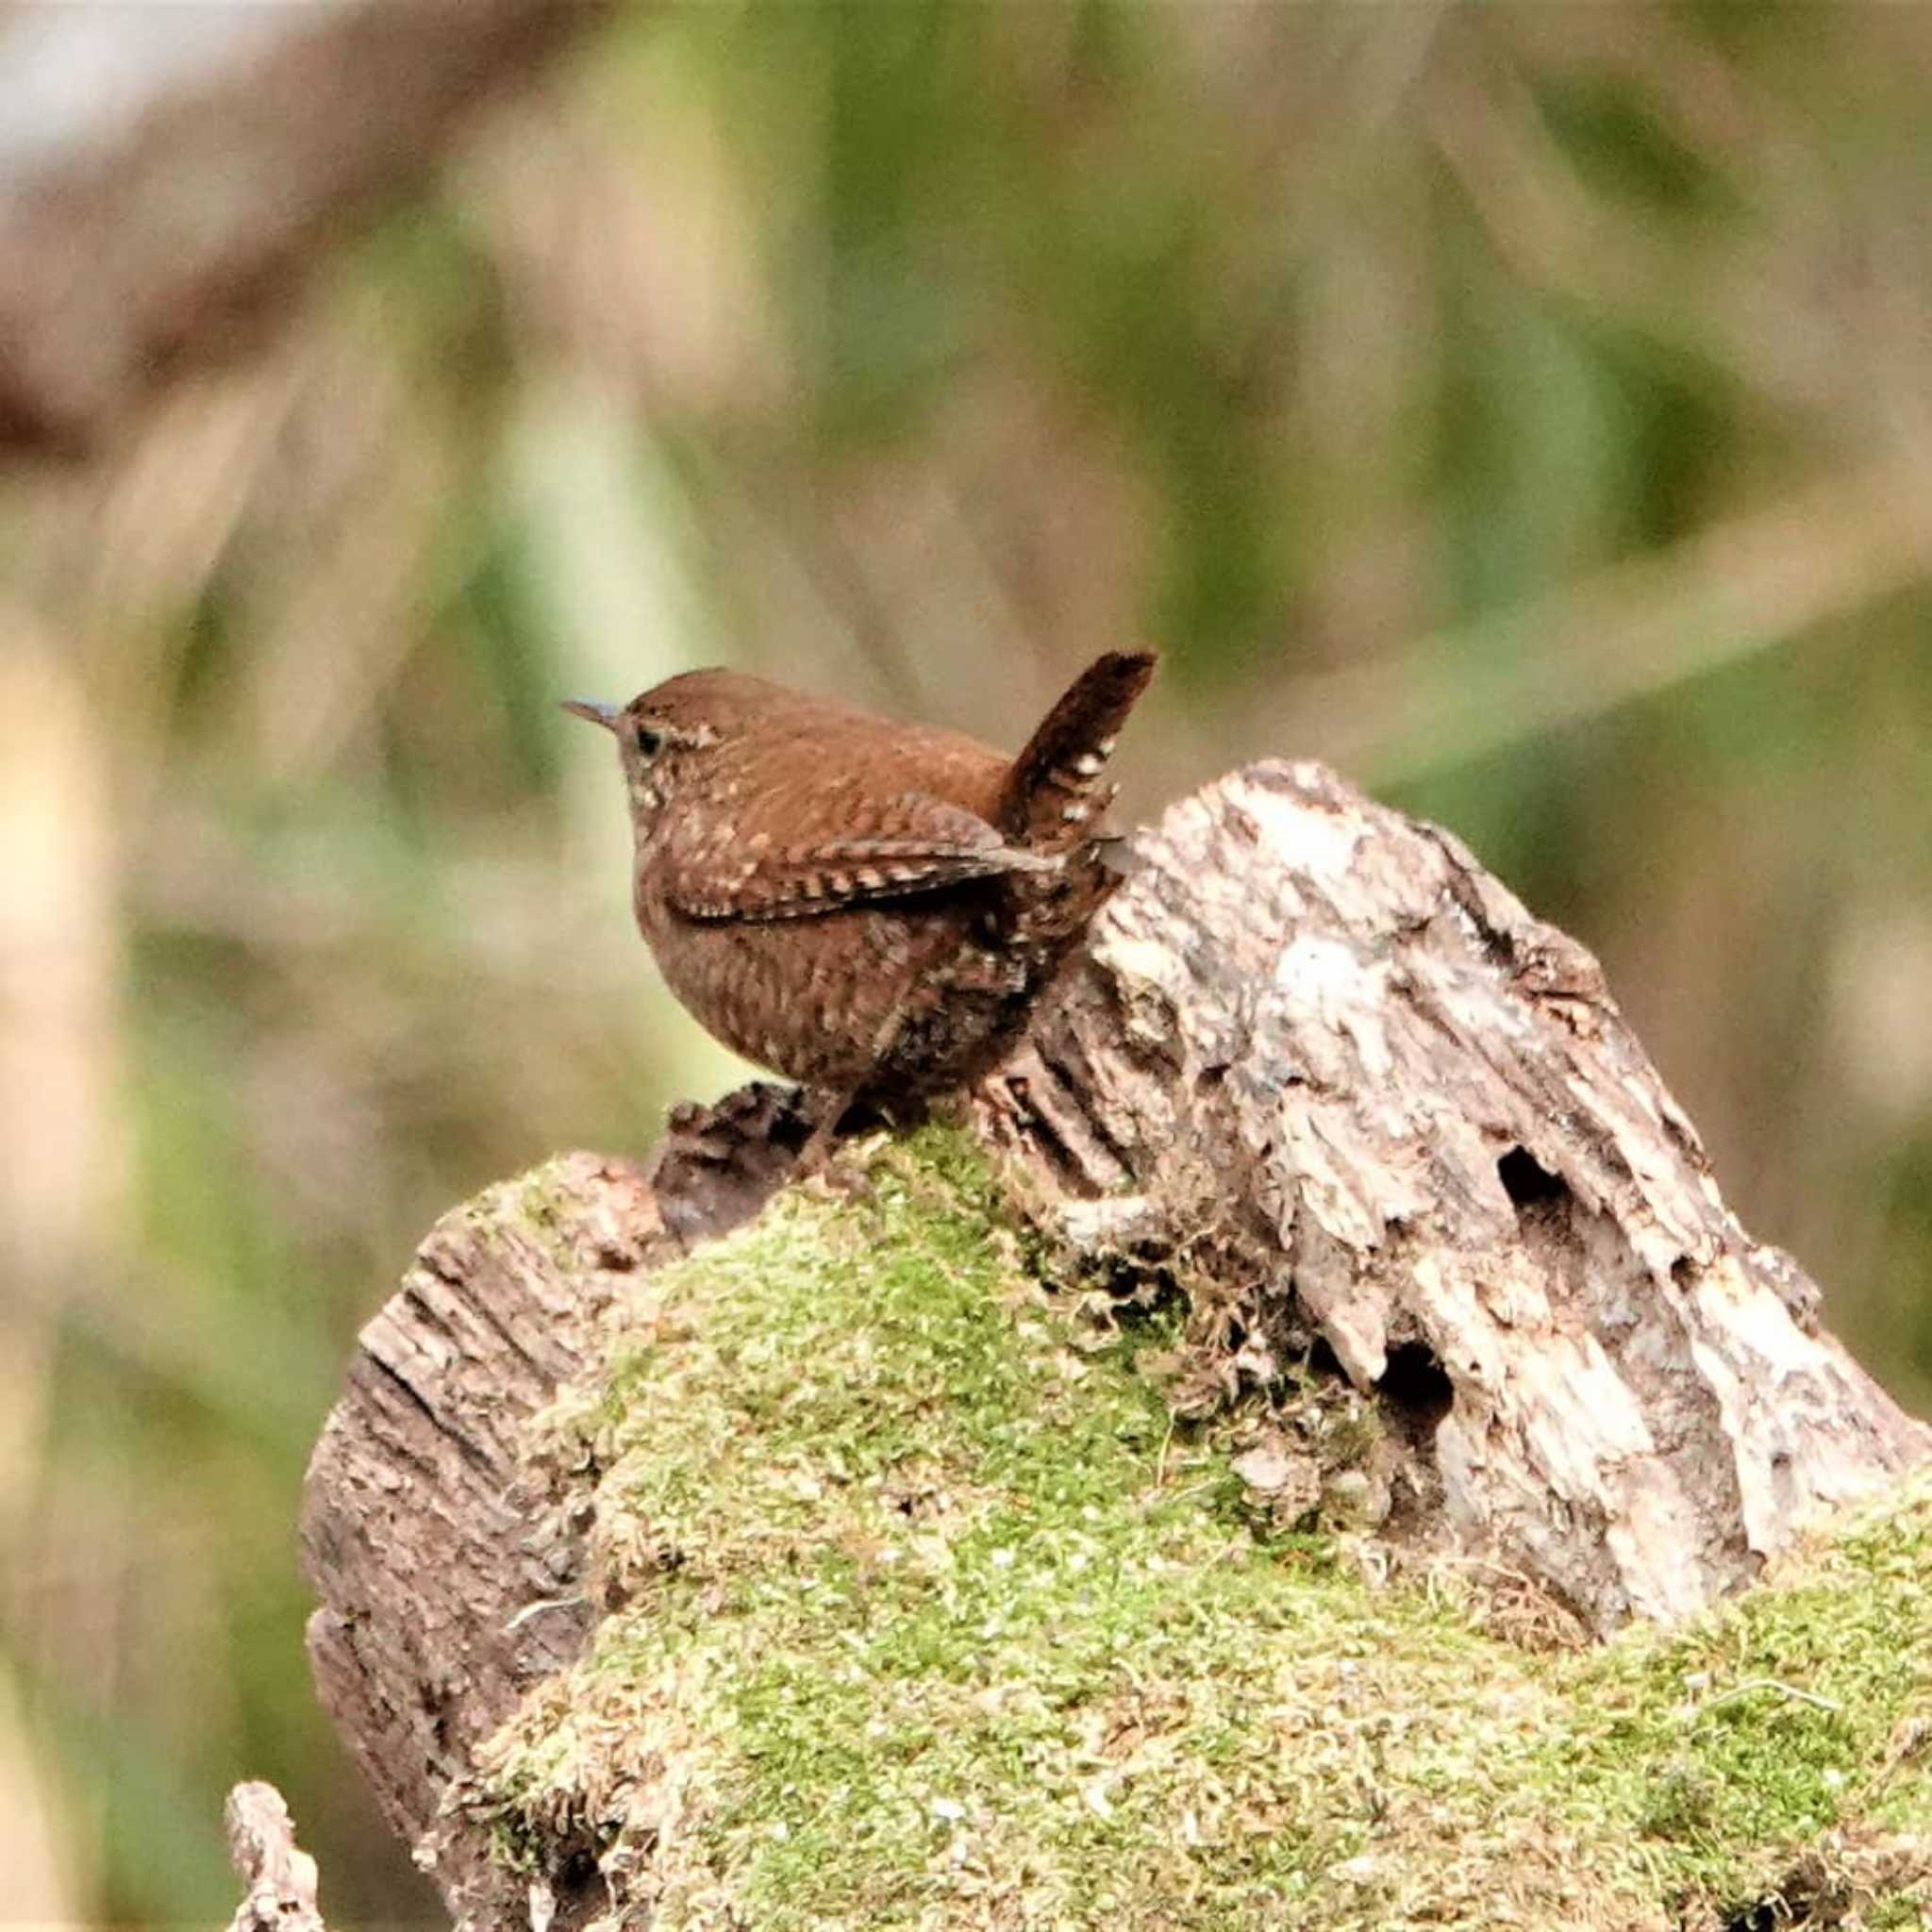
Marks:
<point>1527,409</point>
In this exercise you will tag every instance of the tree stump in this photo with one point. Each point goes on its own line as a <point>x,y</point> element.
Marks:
<point>1319,1072</point>
<point>1324,1054</point>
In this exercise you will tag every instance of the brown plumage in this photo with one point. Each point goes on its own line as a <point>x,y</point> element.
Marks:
<point>865,907</point>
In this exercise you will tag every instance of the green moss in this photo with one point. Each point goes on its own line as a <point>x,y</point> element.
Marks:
<point>932,1617</point>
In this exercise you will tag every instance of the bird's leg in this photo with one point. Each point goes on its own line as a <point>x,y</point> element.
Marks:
<point>815,1161</point>
<point>885,1044</point>
<point>817,1152</point>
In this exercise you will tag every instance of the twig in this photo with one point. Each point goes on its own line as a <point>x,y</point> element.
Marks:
<point>280,1877</point>
<point>1791,1690</point>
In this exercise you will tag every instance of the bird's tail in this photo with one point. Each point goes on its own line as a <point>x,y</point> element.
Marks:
<point>1054,793</point>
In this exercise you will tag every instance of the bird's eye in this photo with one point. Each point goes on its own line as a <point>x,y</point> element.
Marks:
<point>648,741</point>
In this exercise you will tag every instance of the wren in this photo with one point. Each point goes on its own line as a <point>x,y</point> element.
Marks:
<point>867,908</point>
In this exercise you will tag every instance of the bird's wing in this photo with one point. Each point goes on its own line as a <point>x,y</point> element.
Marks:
<point>913,844</point>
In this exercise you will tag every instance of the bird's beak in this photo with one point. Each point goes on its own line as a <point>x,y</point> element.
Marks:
<point>606,715</point>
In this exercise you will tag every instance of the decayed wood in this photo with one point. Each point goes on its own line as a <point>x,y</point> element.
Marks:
<point>1328,1075</point>
<point>1317,1053</point>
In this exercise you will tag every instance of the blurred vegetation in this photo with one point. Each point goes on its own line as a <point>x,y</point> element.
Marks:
<point>1527,409</point>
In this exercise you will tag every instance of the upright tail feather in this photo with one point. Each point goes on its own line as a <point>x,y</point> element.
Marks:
<point>1054,793</point>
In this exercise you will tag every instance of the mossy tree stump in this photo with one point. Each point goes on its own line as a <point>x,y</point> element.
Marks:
<point>1399,1349</point>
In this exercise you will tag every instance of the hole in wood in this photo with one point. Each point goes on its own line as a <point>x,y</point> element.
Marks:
<point>1771,1915</point>
<point>1415,1391</point>
<point>1323,1360</point>
<point>1526,1181</point>
<point>576,1882</point>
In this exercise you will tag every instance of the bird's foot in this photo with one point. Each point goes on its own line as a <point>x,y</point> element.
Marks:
<point>845,1121</point>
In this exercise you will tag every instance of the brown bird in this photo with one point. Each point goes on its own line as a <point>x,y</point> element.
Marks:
<point>870,908</point>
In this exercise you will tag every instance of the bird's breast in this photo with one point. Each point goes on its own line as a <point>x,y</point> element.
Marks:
<point>814,999</point>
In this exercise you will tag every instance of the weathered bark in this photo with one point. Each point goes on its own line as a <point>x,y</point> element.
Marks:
<point>437,1610</point>
<point>1327,1074</point>
<point>129,255</point>
<point>442,1598</point>
<point>1323,1058</point>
